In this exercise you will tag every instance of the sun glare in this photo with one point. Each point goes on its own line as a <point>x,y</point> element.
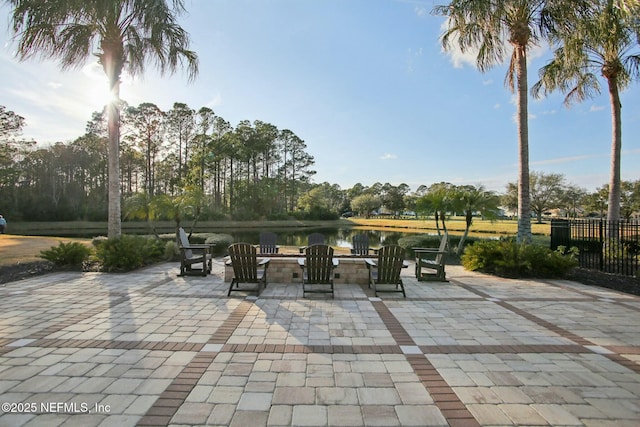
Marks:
<point>98,85</point>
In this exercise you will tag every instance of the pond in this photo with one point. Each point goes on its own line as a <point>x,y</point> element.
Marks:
<point>338,237</point>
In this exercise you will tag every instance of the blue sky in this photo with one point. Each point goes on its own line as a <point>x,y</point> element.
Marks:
<point>364,83</point>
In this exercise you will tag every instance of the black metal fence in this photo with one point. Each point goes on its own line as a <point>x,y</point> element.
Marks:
<point>610,246</point>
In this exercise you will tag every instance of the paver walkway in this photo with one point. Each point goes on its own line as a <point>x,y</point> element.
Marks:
<point>152,349</point>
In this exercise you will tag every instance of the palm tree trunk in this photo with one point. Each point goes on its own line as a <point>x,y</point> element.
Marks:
<point>112,65</point>
<point>468,222</point>
<point>114,227</point>
<point>524,207</point>
<point>613,211</point>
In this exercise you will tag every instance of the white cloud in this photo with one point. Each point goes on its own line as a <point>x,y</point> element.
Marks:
<point>595,108</point>
<point>421,11</point>
<point>459,58</point>
<point>388,156</point>
<point>487,82</point>
<point>215,102</point>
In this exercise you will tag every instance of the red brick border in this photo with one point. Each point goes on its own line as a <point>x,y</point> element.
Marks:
<point>447,401</point>
<point>167,404</point>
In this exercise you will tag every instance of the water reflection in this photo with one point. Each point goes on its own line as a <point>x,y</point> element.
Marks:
<point>338,237</point>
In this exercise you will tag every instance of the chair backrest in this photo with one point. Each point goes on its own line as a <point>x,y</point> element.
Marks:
<point>315,239</point>
<point>319,263</point>
<point>184,242</point>
<point>443,247</point>
<point>244,261</point>
<point>360,244</point>
<point>390,260</point>
<point>268,243</point>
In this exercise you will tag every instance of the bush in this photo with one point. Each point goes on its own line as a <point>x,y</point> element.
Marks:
<point>171,250</point>
<point>221,242</point>
<point>507,258</point>
<point>418,241</point>
<point>129,252</point>
<point>433,241</point>
<point>72,254</point>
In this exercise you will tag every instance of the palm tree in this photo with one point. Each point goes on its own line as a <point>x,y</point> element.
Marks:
<point>485,26</point>
<point>603,41</point>
<point>438,199</point>
<point>473,199</point>
<point>121,33</point>
<point>141,205</point>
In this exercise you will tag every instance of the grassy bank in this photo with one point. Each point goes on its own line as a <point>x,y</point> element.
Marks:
<point>21,249</point>
<point>455,226</point>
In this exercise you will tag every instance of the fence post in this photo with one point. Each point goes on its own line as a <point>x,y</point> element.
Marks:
<point>560,233</point>
<point>602,245</point>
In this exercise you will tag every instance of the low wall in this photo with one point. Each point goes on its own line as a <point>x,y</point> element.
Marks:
<point>285,269</point>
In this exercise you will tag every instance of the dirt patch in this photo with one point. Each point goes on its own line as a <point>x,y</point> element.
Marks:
<point>11,273</point>
<point>20,257</point>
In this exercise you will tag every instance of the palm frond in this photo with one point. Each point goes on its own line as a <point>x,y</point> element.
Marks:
<point>632,64</point>
<point>71,30</point>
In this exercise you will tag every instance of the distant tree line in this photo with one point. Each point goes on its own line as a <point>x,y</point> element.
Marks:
<point>188,164</point>
<point>192,159</point>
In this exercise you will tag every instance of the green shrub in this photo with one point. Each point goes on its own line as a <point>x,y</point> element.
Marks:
<point>507,258</point>
<point>171,250</point>
<point>129,252</point>
<point>221,242</point>
<point>72,254</point>
<point>418,241</point>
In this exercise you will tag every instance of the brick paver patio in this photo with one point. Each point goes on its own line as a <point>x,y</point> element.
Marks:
<point>152,349</point>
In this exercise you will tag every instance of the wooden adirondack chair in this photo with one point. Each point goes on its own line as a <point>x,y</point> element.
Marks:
<point>191,254</point>
<point>317,269</point>
<point>313,239</point>
<point>360,244</point>
<point>430,262</point>
<point>384,273</point>
<point>247,269</point>
<point>268,243</point>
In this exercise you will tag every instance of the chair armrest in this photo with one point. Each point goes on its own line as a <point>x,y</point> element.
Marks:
<point>335,262</point>
<point>204,249</point>
<point>198,246</point>
<point>370,263</point>
<point>428,251</point>
<point>264,262</point>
